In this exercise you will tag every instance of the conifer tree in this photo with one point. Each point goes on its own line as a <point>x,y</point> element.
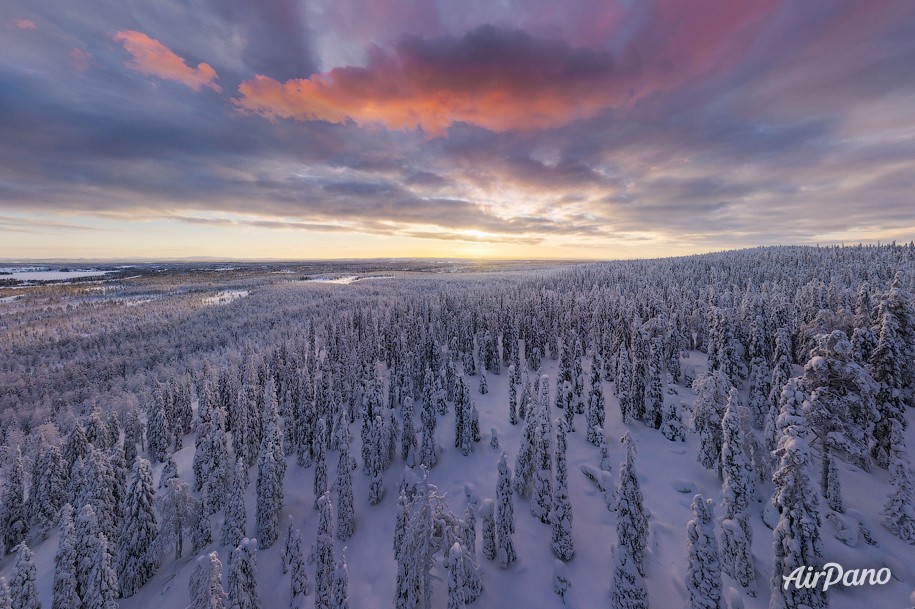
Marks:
<point>631,522</point>
<point>595,414</point>
<point>340,593</point>
<point>654,388</point>
<point>346,516</point>
<point>561,512</point>
<point>797,535</point>
<point>271,469</point>
<point>299,576</point>
<point>456,577</point>
<point>524,461</point>
<point>158,432</point>
<point>488,529</point>
<point>627,590</point>
<point>324,554</point>
<point>23,591</point>
<point>320,461</point>
<point>206,583</point>
<point>242,591</point>
<point>898,512</point>
<point>829,482</point>
<point>169,471</point>
<point>671,424</point>
<point>6,602</point>
<point>703,571</point>
<point>49,492</point>
<point>708,409</point>
<point>236,519</point>
<point>505,515</point>
<point>102,587</point>
<point>13,520</point>
<point>136,560</point>
<point>65,593</point>
<point>737,491</point>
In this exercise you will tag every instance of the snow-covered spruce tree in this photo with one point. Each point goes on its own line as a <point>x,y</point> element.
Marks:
<point>570,407</point>
<point>737,492</point>
<point>49,492</point>
<point>6,601</point>
<point>623,384</point>
<point>512,396</point>
<point>797,535</point>
<point>890,367</point>
<point>23,592</point>
<point>898,512</point>
<point>578,380</point>
<point>829,482</point>
<point>102,588</point>
<point>169,471</point>
<point>406,592</point>
<point>340,594</point>
<point>324,554</point>
<point>758,391</point>
<point>470,531</point>
<point>541,502</point>
<point>158,433</point>
<point>216,484</point>
<point>708,409</point>
<point>201,531</point>
<point>87,537</point>
<point>299,572</point>
<point>840,403</point>
<point>604,450</point>
<point>13,520</point>
<point>376,484</point>
<point>703,570</point>
<point>561,512</point>
<point>346,511</point>
<point>271,469</point>
<point>641,354</point>
<point>654,388</point>
<point>408,443</point>
<point>206,583</point>
<point>488,529</point>
<point>595,413</point>
<point>179,511</point>
<point>236,519</point>
<point>136,560</point>
<point>456,577</point>
<point>320,460</point>
<point>631,520</point>
<point>65,594</point>
<point>561,582</point>
<point>484,386</point>
<point>505,515</point>
<point>671,424</point>
<point>428,455</point>
<point>627,590</point>
<point>524,461</point>
<point>242,591</point>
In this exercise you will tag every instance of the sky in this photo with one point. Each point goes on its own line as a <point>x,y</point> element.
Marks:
<point>300,129</point>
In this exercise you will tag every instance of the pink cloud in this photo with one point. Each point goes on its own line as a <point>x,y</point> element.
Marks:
<point>24,24</point>
<point>508,80</point>
<point>82,60</point>
<point>151,57</point>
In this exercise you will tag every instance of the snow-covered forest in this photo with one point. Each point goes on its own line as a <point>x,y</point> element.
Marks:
<point>679,432</point>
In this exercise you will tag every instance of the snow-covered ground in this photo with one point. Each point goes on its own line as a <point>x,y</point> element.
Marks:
<point>53,275</point>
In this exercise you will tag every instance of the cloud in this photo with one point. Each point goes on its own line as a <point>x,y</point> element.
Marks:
<point>82,60</point>
<point>24,24</point>
<point>151,57</point>
<point>506,79</point>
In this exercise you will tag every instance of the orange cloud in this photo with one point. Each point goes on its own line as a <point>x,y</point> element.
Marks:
<point>24,24</point>
<point>151,57</point>
<point>515,83</point>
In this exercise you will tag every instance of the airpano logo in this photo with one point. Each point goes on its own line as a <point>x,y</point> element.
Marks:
<point>833,573</point>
